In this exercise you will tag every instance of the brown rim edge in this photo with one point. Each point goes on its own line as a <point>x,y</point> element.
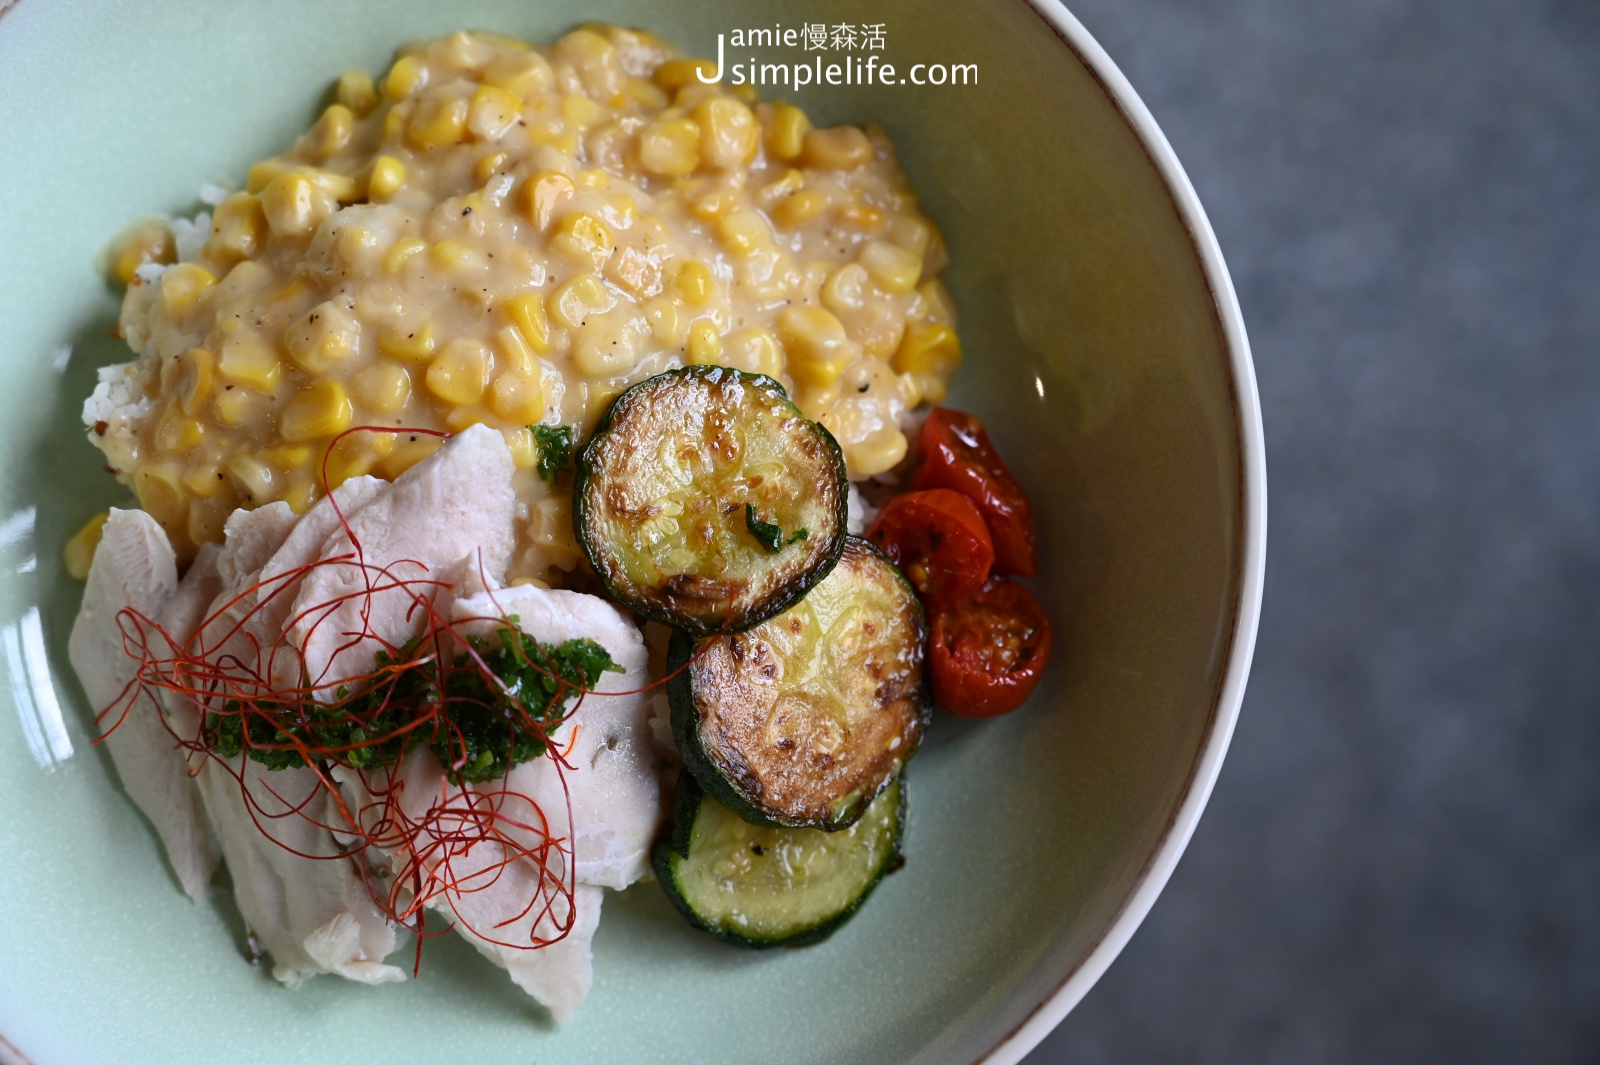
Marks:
<point>1250,513</point>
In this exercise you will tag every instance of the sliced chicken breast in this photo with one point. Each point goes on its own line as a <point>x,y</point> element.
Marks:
<point>134,568</point>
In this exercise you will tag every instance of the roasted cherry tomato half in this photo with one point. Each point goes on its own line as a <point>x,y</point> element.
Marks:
<point>957,454</point>
<point>988,650</point>
<point>939,541</point>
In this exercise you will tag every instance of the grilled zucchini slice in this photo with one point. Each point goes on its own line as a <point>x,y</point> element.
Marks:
<point>766,887</point>
<point>707,501</point>
<point>802,720</point>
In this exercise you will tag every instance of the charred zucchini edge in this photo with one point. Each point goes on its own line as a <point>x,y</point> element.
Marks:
<point>785,594</point>
<point>672,850</point>
<point>717,780</point>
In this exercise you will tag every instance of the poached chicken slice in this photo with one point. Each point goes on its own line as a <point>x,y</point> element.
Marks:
<point>614,786</point>
<point>134,568</point>
<point>310,905</point>
<point>455,503</point>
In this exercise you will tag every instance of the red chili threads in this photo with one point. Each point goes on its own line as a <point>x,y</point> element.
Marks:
<point>439,845</point>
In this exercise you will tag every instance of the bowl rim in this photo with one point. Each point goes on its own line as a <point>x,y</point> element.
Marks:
<point>1077,980</point>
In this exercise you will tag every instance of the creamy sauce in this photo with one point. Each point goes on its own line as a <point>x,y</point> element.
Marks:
<point>512,236</point>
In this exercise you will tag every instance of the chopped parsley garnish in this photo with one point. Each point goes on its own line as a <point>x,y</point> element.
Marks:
<point>766,533</point>
<point>479,730</point>
<point>555,449</point>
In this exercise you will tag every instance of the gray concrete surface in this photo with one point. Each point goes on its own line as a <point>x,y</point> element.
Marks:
<point>1401,862</point>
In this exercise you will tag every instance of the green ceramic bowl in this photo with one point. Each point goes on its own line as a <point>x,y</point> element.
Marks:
<point>1105,351</point>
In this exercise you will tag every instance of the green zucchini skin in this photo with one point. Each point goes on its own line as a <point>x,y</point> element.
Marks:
<point>661,490</point>
<point>801,721</point>
<point>759,906</point>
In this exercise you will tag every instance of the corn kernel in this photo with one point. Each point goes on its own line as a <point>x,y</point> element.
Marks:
<point>256,481</point>
<point>358,245</point>
<point>237,227</point>
<point>149,243</point>
<point>288,457</point>
<point>407,453</point>
<point>517,398</point>
<point>492,112</point>
<point>388,174</point>
<point>667,323</point>
<point>292,205</point>
<point>705,343</point>
<point>161,493</point>
<point>542,194</point>
<point>203,481</point>
<point>178,432</point>
<point>394,124</point>
<point>527,314</point>
<point>894,268</point>
<point>845,289</point>
<point>934,303</point>
<point>910,232</point>
<point>619,211</point>
<point>635,273</point>
<point>608,347</point>
<point>382,387</point>
<point>593,59</point>
<point>521,74</point>
<point>514,351</point>
<point>524,451</point>
<point>236,407</point>
<point>575,301</point>
<point>744,231</point>
<point>488,166</point>
<point>714,203</point>
<point>300,495</point>
<point>357,92</point>
<point>800,208</point>
<point>460,372</point>
<point>670,149</point>
<point>341,187</point>
<point>754,350</point>
<point>839,148</point>
<point>647,93</point>
<point>775,192</point>
<point>196,381</point>
<point>439,121</point>
<point>878,453</point>
<point>597,398</point>
<point>322,410</point>
<point>693,282</point>
<point>911,393</point>
<point>815,344</point>
<point>458,258</point>
<point>183,285</point>
<point>406,76</point>
<point>262,174</point>
<point>460,418</point>
<point>331,132</point>
<point>585,239</point>
<point>928,349</point>
<point>581,112</point>
<point>728,132</point>
<point>324,335</point>
<point>552,133</point>
<point>786,134</point>
<point>410,345</point>
<point>78,555</point>
<point>675,74</point>
<point>395,259</point>
<point>250,362</point>
<point>354,456</point>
